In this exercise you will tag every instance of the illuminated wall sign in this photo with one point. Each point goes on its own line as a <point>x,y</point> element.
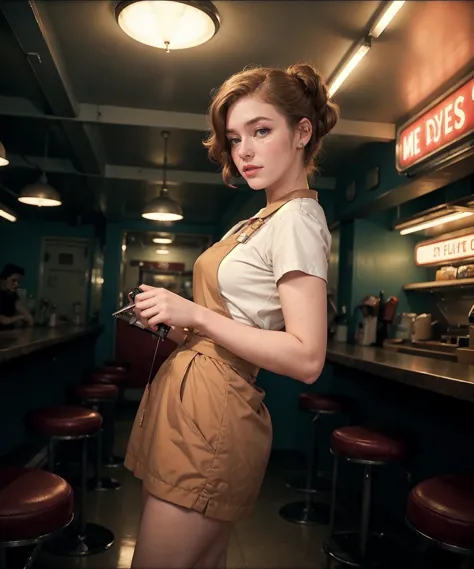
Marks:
<point>438,128</point>
<point>446,250</point>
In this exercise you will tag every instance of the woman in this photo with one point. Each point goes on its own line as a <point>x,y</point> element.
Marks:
<point>202,436</point>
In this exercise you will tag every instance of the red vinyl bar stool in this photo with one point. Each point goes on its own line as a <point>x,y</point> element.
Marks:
<point>440,511</point>
<point>117,377</point>
<point>117,365</point>
<point>369,447</point>
<point>307,511</point>
<point>97,396</point>
<point>70,423</point>
<point>34,506</point>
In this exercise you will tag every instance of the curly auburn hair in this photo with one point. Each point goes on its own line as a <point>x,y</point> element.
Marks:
<point>297,92</point>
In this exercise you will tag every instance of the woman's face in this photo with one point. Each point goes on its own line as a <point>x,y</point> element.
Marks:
<point>263,147</point>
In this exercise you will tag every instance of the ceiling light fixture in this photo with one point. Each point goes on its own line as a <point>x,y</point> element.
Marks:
<point>353,61</point>
<point>168,24</point>
<point>445,215</point>
<point>7,214</point>
<point>163,240</point>
<point>40,194</point>
<point>385,18</point>
<point>3,156</point>
<point>162,251</point>
<point>363,48</point>
<point>163,208</point>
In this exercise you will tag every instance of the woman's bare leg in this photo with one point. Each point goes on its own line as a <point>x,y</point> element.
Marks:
<point>145,495</point>
<point>171,537</point>
<point>216,556</point>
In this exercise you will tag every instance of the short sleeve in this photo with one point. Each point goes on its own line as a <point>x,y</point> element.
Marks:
<point>300,242</point>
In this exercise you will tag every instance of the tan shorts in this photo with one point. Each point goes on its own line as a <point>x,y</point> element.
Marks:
<point>206,435</point>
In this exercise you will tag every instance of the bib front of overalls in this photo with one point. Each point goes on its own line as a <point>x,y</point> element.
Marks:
<point>202,435</point>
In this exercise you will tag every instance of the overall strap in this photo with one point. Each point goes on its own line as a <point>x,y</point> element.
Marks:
<point>262,217</point>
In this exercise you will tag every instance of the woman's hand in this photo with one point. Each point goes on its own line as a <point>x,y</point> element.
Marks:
<point>158,305</point>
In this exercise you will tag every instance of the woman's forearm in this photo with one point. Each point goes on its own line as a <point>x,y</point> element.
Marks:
<point>279,352</point>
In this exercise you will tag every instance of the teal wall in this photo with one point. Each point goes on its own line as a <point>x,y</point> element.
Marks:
<point>381,154</point>
<point>22,240</point>
<point>383,260</point>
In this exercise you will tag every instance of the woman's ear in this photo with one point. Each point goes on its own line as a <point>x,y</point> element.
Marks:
<point>304,130</point>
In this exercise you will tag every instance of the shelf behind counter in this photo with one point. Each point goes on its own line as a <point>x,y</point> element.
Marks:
<point>433,374</point>
<point>22,342</point>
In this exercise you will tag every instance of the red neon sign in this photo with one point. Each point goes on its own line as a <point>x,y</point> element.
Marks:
<point>438,128</point>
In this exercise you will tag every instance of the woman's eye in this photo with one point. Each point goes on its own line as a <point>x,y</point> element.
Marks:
<point>262,131</point>
<point>233,141</point>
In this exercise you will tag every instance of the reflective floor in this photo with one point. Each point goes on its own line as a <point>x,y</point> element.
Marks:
<point>264,540</point>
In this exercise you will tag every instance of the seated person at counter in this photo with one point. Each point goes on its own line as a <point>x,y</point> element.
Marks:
<point>12,311</point>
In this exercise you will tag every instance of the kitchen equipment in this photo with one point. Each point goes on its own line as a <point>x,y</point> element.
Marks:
<point>389,310</point>
<point>465,356</point>
<point>403,325</point>
<point>414,327</point>
<point>366,333</point>
<point>342,326</point>
<point>421,327</point>
<point>385,317</point>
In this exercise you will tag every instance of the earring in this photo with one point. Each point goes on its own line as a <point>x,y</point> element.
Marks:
<point>300,145</point>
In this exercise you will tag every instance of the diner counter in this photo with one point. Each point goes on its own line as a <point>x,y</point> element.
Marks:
<point>437,375</point>
<point>21,342</point>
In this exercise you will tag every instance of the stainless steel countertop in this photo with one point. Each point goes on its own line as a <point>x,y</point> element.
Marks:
<point>21,342</point>
<point>437,375</point>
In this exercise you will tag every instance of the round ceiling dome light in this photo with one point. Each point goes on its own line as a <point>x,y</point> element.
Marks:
<point>168,24</point>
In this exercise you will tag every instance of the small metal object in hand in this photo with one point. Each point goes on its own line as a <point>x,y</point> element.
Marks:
<point>126,313</point>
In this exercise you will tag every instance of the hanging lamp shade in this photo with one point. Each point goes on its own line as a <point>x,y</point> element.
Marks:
<point>168,24</point>
<point>163,208</point>
<point>40,194</point>
<point>3,156</point>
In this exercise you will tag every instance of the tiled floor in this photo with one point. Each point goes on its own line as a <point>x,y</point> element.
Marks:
<point>263,540</point>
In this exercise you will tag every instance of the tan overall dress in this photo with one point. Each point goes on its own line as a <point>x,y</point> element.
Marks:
<point>202,436</point>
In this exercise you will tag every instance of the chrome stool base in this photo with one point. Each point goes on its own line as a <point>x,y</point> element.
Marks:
<point>114,461</point>
<point>306,513</point>
<point>344,548</point>
<point>95,539</point>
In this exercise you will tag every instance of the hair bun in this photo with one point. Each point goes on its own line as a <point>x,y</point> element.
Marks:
<point>315,87</point>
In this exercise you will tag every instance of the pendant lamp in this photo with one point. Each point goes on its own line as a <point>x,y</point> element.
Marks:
<point>41,194</point>
<point>163,208</point>
<point>168,24</point>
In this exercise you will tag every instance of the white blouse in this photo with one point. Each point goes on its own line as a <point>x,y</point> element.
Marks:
<point>295,238</point>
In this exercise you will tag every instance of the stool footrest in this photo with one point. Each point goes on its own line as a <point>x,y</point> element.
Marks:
<point>382,550</point>
<point>96,539</point>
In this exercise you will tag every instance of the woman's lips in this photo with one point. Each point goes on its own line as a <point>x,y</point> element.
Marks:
<point>252,171</point>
